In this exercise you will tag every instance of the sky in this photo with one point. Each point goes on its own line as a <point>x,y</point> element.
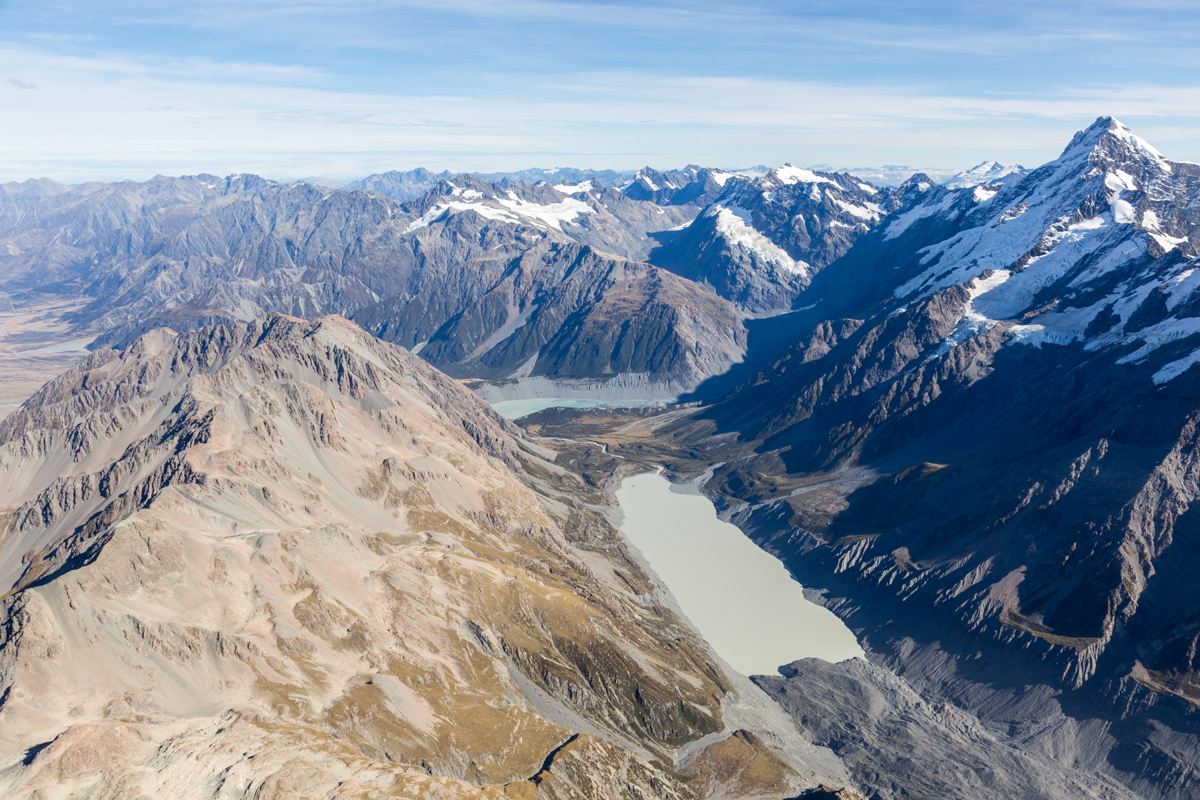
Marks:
<point>116,89</point>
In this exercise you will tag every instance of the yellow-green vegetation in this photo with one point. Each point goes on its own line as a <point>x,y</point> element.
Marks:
<point>739,766</point>
<point>1014,619</point>
<point>1181,684</point>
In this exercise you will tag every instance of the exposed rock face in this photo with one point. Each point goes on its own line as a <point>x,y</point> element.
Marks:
<point>761,240</point>
<point>567,312</point>
<point>693,185</point>
<point>462,268</point>
<point>282,558</point>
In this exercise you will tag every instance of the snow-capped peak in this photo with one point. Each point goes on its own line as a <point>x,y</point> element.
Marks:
<point>988,172</point>
<point>1106,141</point>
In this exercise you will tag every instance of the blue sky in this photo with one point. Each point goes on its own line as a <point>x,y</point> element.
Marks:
<point>131,88</point>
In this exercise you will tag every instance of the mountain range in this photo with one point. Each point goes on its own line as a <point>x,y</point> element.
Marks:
<point>964,414</point>
<point>982,443</point>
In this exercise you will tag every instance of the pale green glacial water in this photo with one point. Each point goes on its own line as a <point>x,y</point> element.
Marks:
<point>741,598</point>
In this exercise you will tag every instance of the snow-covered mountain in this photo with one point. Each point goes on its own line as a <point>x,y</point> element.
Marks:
<point>984,442</point>
<point>1094,247</point>
<point>762,239</point>
<point>692,185</point>
<point>987,172</point>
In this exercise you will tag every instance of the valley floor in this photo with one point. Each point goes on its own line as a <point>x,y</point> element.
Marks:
<point>35,346</point>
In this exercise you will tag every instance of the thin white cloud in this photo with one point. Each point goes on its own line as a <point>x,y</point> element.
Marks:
<point>123,116</point>
<point>872,30</point>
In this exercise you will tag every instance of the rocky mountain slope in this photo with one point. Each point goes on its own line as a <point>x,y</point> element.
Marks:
<point>899,744</point>
<point>284,558</point>
<point>983,445</point>
<point>693,185</point>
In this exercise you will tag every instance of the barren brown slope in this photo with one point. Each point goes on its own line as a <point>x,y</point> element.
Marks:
<point>285,559</point>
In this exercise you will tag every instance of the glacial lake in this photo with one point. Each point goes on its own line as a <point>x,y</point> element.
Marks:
<point>740,597</point>
<point>515,409</point>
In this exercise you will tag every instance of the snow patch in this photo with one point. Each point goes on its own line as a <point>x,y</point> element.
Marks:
<point>1154,337</point>
<point>485,211</point>
<point>1167,243</point>
<point>586,186</point>
<point>867,211</point>
<point>1119,181</point>
<point>1038,335</point>
<point>552,215</point>
<point>789,175</point>
<point>1122,212</point>
<point>1181,287</point>
<point>734,229</point>
<point>1175,368</point>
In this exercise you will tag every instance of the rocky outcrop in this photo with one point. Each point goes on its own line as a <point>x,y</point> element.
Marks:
<point>900,745</point>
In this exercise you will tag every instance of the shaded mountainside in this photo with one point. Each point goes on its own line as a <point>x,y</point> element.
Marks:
<point>567,312</point>
<point>988,452</point>
<point>285,557</point>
